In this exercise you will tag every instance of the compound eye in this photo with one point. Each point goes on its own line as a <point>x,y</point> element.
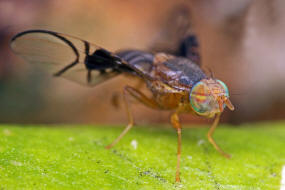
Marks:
<point>224,87</point>
<point>201,100</point>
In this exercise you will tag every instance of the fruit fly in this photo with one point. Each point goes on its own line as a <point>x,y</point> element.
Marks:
<point>177,83</point>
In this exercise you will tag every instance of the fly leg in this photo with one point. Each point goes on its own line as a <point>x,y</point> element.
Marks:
<point>212,141</point>
<point>141,98</point>
<point>176,124</point>
<point>139,84</point>
<point>115,100</point>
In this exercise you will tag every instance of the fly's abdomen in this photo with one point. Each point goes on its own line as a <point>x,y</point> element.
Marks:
<point>136,62</point>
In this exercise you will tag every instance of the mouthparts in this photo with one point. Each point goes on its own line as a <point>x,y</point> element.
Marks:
<point>228,104</point>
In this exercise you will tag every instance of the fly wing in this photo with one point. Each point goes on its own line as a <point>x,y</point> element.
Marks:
<point>173,29</point>
<point>177,36</point>
<point>66,56</point>
<point>189,48</point>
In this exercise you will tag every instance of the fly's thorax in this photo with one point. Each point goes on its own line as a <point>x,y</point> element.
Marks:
<point>209,97</point>
<point>165,96</point>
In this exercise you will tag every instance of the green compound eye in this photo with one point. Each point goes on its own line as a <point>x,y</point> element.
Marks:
<point>205,94</point>
<point>201,101</point>
<point>225,88</point>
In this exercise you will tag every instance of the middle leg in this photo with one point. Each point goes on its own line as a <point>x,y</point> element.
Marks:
<point>141,98</point>
<point>176,124</point>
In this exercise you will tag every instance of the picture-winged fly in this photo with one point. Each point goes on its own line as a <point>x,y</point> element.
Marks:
<point>177,83</point>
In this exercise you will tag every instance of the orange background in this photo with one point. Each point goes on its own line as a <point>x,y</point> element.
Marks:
<point>242,42</point>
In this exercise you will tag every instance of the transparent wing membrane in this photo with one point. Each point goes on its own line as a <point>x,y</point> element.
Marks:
<point>62,55</point>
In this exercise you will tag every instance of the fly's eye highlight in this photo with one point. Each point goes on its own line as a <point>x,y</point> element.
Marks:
<point>201,101</point>
<point>225,88</point>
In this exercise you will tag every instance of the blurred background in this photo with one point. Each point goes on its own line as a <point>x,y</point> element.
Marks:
<point>241,42</point>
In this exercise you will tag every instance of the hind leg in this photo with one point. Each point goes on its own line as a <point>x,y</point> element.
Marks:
<point>141,98</point>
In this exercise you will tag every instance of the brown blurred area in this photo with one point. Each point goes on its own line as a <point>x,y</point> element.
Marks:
<point>242,42</point>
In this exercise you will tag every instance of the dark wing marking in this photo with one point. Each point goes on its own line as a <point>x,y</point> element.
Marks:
<point>66,56</point>
<point>177,35</point>
<point>189,48</point>
<point>173,29</point>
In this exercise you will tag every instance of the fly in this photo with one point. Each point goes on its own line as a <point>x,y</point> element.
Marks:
<point>175,81</point>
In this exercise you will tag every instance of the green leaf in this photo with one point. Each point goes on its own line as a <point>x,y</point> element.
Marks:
<point>65,157</point>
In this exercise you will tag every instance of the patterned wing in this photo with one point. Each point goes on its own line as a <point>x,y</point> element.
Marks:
<point>177,37</point>
<point>189,48</point>
<point>66,56</point>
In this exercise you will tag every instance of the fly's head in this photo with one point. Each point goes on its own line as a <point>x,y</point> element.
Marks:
<point>209,97</point>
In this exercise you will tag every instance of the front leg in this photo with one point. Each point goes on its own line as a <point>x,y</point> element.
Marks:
<point>212,141</point>
<point>176,124</point>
